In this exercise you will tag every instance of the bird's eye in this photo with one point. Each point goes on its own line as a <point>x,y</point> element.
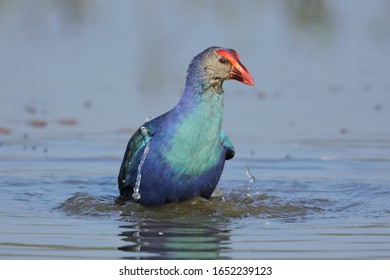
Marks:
<point>223,60</point>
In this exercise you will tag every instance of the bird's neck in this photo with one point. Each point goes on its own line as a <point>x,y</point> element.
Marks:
<point>197,83</point>
<point>197,120</point>
<point>204,101</point>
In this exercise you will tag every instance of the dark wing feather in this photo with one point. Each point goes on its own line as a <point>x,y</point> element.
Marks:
<point>130,163</point>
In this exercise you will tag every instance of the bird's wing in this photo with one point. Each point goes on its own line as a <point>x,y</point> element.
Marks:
<point>227,145</point>
<point>130,162</point>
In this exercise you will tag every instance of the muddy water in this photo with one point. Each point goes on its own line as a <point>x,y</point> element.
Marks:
<point>79,79</point>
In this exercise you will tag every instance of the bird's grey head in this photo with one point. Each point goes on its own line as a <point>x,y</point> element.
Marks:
<point>215,65</point>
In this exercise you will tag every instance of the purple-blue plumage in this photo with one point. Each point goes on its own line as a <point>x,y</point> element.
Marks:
<point>181,154</point>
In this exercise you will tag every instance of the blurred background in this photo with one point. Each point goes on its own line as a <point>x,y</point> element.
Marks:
<point>77,77</point>
<point>321,67</point>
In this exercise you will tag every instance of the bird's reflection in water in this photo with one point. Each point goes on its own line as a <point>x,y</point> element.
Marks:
<point>171,240</point>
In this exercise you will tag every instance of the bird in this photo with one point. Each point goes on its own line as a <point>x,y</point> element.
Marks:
<point>181,154</point>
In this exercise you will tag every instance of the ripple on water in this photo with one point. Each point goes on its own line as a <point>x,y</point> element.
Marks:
<point>241,202</point>
<point>171,240</point>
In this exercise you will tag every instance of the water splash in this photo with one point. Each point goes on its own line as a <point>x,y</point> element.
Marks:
<point>235,203</point>
<point>148,119</point>
<point>251,178</point>
<point>136,194</point>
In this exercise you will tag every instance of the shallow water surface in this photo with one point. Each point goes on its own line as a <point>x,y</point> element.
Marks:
<point>292,210</point>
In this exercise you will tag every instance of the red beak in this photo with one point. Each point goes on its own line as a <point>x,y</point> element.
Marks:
<point>238,71</point>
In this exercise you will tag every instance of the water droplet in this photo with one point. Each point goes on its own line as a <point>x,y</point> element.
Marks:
<point>251,178</point>
<point>136,195</point>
